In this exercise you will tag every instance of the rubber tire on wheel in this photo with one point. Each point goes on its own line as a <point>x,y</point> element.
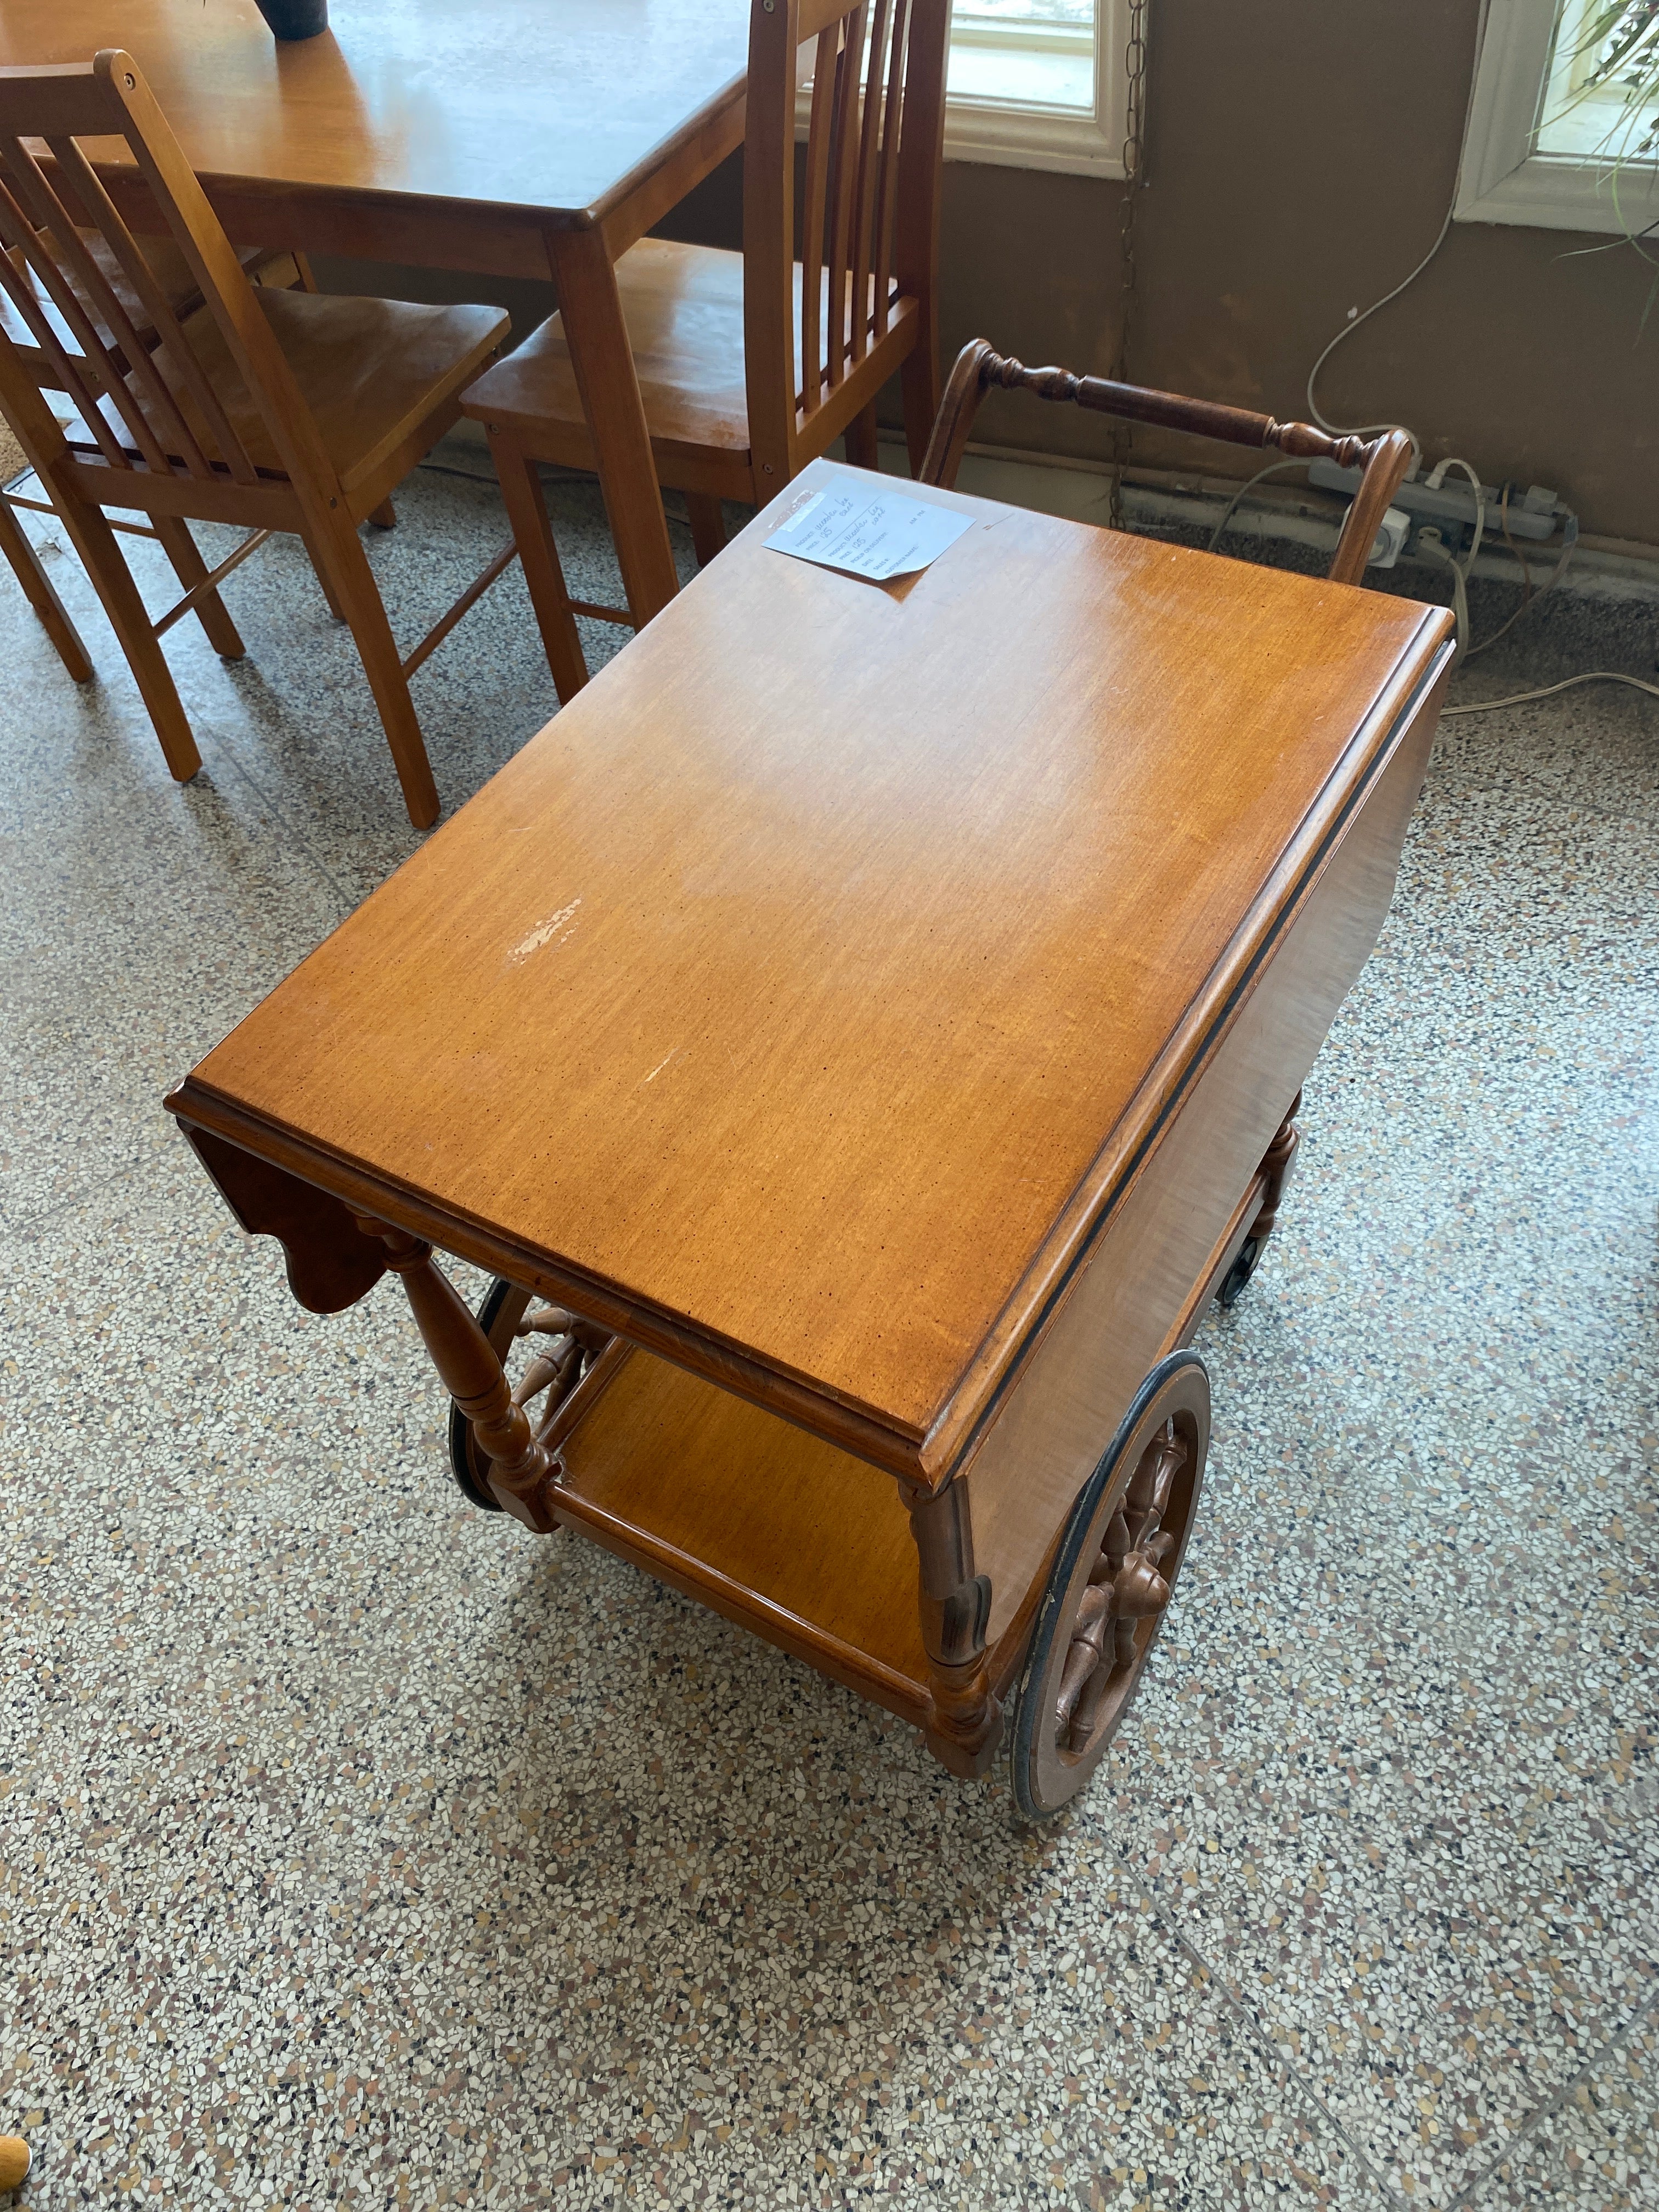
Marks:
<point>1044,1778</point>
<point>1239,1273</point>
<point>503,1307</point>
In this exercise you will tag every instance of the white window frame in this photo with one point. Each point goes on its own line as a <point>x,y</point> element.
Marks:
<point>1502,177</point>
<point>1015,135</point>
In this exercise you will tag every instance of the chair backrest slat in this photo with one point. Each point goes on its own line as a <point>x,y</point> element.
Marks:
<point>77,373</point>
<point>155,386</point>
<point>102,215</point>
<point>887,169</point>
<point>864,197</point>
<point>69,272</point>
<point>817,181</point>
<point>843,185</point>
<point>872,115</point>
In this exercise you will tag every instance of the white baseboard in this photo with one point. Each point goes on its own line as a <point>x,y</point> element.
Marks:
<point>1078,491</point>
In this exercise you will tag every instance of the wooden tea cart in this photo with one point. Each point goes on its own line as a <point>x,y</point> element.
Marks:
<point>861,1034</point>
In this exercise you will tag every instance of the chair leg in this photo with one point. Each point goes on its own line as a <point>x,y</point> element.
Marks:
<point>532,531</point>
<point>863,449</point>
<point>100,557</point>
<point>341,565</point>
<point>385,516</point>
<point>41,596</point>
<point>919,387</point>
<point>328,590</point>
<point>707,526</point>
<point>190,567</point>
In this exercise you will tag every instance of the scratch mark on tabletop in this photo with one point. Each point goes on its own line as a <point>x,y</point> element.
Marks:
<point>658,1068</point>
<point>543,931</point>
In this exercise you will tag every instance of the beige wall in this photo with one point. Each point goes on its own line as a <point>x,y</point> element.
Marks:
<point>1300,157</point>
<point>1301,154</point>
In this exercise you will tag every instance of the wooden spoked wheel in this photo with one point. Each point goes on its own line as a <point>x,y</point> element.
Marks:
<point>545,1352</point>
<point>1109,1588</point>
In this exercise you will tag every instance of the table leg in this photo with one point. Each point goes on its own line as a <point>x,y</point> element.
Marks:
<point>472,1374</point>
<point>594,330</point>
<point>966,1726</point>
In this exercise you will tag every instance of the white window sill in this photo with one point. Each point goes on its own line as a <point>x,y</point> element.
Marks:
<point>1553,192</point>
<point>1009,137</point>
<point>1021,101</point>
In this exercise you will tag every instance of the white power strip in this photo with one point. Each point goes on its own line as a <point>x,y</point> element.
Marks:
<point>1535,514</point>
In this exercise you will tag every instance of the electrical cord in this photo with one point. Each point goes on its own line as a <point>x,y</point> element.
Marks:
<point>1353,322</point>
<point>1431,542</point>
<point>1549,691</point>
<point>1432,546</point>
<point>1354,318</point>
<point>1437,476</point>
<point>1273,469</point>
<point>1529,598</point>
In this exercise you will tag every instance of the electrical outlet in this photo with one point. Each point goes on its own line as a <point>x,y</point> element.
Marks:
<point>1389,541</point>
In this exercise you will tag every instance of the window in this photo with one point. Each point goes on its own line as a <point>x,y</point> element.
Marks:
<point>1038,84</point>
<point>1559,133</point>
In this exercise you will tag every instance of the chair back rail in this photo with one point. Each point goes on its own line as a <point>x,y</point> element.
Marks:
<point>868,209</point>
<point>1382,459</point>
<point>125,388</point>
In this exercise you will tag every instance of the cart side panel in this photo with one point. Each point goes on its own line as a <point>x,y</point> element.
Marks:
<point>1133,1298</point>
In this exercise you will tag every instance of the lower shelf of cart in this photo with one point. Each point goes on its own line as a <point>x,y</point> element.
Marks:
<point>798,1542</point>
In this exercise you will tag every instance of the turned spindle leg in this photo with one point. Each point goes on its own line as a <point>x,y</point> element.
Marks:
<point>1276,1163</point>
<point>1275,1172</point>
<point>955,1605</point>
<point>464,1357</point>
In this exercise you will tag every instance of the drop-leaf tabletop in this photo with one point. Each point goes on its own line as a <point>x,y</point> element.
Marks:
<point>862,1034</point>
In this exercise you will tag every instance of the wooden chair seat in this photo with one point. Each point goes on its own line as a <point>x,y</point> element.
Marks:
<point>371,372</point>
<point>750,365</point>
<point>683,309</point>
<point>172,271</point>
<point>278,410</point>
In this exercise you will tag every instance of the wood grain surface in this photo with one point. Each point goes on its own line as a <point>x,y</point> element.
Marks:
<point>546,107</point>
<point>800,999</point>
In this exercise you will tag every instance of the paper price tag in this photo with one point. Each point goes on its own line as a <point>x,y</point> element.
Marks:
<point>868,526</point>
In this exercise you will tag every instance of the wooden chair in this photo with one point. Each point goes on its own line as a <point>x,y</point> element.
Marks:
<point>278,410</point>
<point>751,364</point>
<point>1384,458</point>
<point>179,286</point>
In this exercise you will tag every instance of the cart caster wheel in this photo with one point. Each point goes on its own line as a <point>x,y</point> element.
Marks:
<point>563,1348</point>
<point>1109,1587</point>
<point>1233,1282</point>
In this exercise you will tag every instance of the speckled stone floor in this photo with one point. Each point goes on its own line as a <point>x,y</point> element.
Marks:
<point>358,1849</point>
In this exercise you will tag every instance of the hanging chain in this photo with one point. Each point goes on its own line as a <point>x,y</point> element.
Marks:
<point>1134,155</point>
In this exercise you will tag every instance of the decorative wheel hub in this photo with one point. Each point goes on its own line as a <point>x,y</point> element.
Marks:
<point>1125,1589</point>
<point>1110,1587</point>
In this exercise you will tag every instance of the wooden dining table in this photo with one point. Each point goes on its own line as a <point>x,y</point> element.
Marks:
<point>522,138</point>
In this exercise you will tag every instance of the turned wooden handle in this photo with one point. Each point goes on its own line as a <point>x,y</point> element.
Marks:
<point>1384,458</point>
<point>14,2163</point>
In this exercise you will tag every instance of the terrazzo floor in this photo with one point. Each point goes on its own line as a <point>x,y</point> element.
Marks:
<point>358,1849</point>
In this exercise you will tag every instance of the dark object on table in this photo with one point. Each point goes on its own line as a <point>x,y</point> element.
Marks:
<point>294,19</point>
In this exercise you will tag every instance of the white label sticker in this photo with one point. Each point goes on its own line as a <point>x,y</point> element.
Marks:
<point>869,526</point>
